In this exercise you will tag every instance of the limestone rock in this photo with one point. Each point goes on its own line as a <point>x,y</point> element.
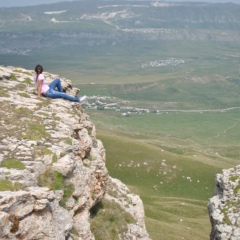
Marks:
<point>224,207</point>
<point>52,167</point>
<point>130,203</point>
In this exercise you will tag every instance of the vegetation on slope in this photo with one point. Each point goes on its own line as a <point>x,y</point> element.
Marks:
<point>170,158</point>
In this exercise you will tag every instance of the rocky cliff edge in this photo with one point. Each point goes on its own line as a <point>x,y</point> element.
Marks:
<point>53,178</point>
<point>224,207</point>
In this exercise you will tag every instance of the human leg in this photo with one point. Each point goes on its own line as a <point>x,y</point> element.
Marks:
<point>56,83</point>
<point>55,94</point>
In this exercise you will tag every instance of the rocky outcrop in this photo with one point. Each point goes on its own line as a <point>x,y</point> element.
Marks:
<point>132,204</point>
<point>224,207</point>
<point>52,166</point>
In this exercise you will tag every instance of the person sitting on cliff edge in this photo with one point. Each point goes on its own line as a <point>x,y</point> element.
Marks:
<point>49,90</point>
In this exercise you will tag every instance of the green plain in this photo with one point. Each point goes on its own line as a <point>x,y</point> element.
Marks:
<point>170,159</point>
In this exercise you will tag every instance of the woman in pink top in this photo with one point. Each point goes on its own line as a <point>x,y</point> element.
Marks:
<point>49,90</point>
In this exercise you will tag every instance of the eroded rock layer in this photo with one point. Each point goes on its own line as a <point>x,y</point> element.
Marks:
<point>224,207</point>
<point>52,166</point>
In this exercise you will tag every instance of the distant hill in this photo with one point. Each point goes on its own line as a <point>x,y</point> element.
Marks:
<point>98,22</point>
<point>17,3</point>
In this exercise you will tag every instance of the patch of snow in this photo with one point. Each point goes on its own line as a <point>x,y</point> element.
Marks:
<point>125,5</point>
<point>163,4</point>
<point>56,21</point>
<point>109,15</point>
<point>55,12</point>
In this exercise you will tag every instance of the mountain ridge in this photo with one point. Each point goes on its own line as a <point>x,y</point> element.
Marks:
<point>5,3</point>
<point>96,23</point>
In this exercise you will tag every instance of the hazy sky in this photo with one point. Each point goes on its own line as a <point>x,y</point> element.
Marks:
<point>20,3</point>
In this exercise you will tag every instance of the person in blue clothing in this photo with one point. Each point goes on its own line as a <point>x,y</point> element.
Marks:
<point>50,90</point>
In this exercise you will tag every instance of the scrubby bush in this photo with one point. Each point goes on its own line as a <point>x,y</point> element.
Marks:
<point>109,220</point>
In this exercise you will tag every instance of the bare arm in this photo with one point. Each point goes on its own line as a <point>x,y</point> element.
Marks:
<point>39,88</point>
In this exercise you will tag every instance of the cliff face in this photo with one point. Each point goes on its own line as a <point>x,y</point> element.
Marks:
<point>224,207</point>
<point>52,166</point>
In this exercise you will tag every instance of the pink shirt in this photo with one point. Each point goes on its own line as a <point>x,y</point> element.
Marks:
<point>45,87</point>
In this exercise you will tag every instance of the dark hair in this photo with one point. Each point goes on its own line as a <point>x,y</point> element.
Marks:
<point>38,70</point>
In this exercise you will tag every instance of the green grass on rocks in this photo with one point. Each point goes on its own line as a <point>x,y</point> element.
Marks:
<point>109,220</point>
<point>13,163</point>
